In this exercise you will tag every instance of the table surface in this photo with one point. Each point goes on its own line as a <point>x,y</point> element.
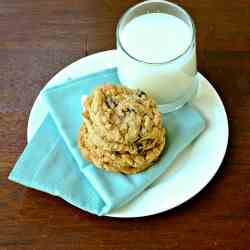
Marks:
<point>38,38</point>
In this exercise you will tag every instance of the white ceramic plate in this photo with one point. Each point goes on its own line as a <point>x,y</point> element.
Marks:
<point>193,168</point>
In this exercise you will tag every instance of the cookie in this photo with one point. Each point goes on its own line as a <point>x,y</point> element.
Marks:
<point>123,130</point>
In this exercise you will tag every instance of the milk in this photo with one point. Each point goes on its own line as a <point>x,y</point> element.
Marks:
<point>156,38</point>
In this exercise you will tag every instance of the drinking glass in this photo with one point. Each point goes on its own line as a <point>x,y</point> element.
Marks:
<point>172,82</point>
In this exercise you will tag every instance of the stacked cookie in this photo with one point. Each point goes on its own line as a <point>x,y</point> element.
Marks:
<point>122,130</point>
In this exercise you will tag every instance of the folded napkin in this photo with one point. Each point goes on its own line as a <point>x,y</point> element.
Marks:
<point>52,162</point>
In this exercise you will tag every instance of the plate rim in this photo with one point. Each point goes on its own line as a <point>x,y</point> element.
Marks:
<point>157,211</point>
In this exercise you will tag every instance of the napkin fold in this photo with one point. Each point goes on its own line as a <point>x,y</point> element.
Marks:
<point>52,161</point>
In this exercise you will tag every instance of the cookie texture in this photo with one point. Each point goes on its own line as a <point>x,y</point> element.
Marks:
<point>122,130</point>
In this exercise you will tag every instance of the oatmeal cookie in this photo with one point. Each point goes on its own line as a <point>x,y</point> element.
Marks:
<point>123,129</point>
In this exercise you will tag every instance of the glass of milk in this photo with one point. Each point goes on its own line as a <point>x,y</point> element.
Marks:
<point>157,52</point>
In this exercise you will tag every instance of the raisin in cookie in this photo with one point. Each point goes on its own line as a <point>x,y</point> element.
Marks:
<point>123,130</point>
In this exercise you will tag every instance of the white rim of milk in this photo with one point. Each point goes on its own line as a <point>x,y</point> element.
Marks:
<point>131,9</point>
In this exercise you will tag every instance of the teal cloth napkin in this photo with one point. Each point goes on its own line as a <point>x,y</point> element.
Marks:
<point>52,162</point>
